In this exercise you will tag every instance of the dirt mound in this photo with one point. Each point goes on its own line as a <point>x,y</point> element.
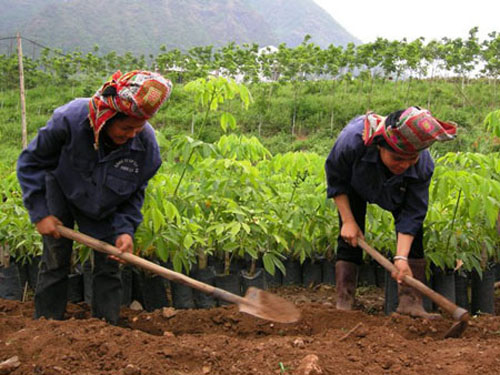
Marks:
<point>224,341</point>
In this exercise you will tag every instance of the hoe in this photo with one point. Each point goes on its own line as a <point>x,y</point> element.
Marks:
<point>256,302</point>
<point>460,315</point>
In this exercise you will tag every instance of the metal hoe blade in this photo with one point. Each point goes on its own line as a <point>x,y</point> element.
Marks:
<point>269,306</point>
<point>457,329</point>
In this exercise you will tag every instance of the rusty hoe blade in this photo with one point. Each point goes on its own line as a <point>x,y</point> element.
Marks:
<point>459,327</point>
<point>268,306</point>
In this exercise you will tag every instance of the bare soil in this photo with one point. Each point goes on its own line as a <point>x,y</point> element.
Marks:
<point>225,341</point>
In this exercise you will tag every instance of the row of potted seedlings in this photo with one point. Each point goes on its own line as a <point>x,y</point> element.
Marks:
<point>216,206</point>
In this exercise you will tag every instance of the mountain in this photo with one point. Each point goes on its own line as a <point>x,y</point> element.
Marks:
<point>142,26</point>
<point>292,19</point>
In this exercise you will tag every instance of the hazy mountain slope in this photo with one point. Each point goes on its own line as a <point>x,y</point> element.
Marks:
<point>142,26</point>
<point>15,14</point>
<point>291,25</point>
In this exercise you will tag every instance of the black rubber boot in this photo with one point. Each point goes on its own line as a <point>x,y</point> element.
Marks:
<point>346,279</point>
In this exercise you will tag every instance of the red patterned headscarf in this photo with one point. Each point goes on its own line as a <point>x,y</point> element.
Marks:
<point>138,94</point>
<point>415,130</point>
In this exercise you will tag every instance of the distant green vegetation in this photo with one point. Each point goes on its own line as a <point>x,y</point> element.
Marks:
<point>321,110</point>
<point>308,95</point>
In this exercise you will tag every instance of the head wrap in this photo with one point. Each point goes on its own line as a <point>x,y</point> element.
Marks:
<point>408,131</point>
<point>138,94</point>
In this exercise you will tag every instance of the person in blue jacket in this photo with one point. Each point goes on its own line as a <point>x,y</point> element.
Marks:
<point>384,160</point>
<point>90,165</point>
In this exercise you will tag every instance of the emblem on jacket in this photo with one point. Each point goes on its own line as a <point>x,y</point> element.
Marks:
<point>127,165</point>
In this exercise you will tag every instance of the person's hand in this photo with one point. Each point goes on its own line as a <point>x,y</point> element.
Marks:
<point>402,269</point>
<point>48,226</point>
<point>125,243</point>
<point>350,232</point>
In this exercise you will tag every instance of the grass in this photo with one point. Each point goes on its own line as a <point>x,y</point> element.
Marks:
<point>318,115</point>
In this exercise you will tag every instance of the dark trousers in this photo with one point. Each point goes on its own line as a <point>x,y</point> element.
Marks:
<point>52,286</point>
<point>355,254</point>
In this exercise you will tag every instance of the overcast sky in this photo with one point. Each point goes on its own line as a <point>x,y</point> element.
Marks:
<point>432,19</point>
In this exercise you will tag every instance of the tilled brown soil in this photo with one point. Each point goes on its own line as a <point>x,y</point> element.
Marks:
<point>225,341</point>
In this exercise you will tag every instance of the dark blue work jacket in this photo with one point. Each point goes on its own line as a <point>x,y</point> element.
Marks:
<point>98,186</point>
<point>352,166</point>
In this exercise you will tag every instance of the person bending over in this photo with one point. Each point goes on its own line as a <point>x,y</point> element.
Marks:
<point>384,160</point>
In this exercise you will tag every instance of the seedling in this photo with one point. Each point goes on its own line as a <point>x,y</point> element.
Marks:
<point>283,368</point>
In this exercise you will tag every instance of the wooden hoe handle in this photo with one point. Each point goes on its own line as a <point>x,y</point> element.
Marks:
<point>256,302</point>
<point>177,277</point>
<point>456,312</point>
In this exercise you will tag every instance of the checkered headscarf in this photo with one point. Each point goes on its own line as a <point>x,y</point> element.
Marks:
<point>415,129</point>
<point>138,94</point>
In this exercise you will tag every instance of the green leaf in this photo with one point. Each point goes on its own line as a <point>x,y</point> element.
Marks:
<point>268,261</point>
<point>188,241</point>
<point>158,220</point>
<point>252,252</point>
<point>171,211</point>
<point>492,123</point>
<point>235,228</point>
<point>278,263</point>
<point>177,262</point>
<point>246,227</point>
<point>161,250</point>
<point>223,122</point>
<point>474,208</point>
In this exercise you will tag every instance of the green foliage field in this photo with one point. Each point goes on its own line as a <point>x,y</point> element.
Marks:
<point>243,163</point>
<point>302,96</point>
<point>320,113</point>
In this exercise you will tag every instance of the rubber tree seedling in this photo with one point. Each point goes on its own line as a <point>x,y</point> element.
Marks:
<point>209,94</point>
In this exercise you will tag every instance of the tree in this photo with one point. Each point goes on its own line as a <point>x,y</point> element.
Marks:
<point>461,56</point>
<point>490,54</point>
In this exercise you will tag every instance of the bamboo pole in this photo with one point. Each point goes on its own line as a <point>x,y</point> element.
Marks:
<point>21,91</point>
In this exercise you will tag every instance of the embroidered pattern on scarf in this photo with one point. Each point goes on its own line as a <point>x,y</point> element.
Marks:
<point>138,94</point>
<point>416,130</point>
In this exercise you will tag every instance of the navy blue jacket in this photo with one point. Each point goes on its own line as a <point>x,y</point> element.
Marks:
<point>98,186</point>
<point>352,166</point>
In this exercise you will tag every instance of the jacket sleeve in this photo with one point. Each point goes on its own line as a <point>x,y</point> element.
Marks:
<point>41,156</point>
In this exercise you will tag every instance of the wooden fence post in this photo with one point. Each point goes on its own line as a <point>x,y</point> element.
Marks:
<point>21,90</point>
